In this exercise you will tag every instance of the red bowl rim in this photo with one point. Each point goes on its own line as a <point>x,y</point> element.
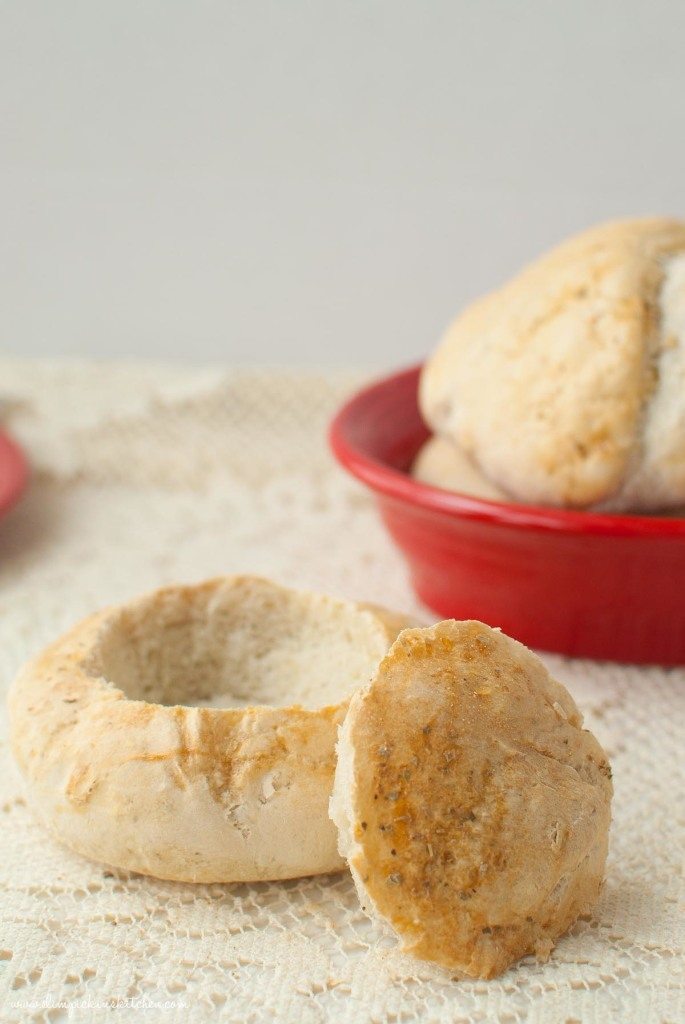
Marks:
<point>14,472</point>
<point>395,484</point>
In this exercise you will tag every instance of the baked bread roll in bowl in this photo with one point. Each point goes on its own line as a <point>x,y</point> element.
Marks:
<point>440,463</point>
<point>190,734</point>
<point>471,805</point>
<point>567,385</point>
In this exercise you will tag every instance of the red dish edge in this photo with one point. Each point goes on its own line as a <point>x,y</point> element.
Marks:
<point>397,484</point>
<point>14,472</point>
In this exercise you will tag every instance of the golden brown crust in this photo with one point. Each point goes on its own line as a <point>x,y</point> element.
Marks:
<point>185,792</point>
<point>480,807</point>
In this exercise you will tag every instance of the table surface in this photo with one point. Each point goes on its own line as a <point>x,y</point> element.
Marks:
<point>143,475</point>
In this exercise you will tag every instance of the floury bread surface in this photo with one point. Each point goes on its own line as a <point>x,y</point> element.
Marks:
<point>190,734</point>
<point>471,805</point>
<point>441,463</point>
<point>567,385</point>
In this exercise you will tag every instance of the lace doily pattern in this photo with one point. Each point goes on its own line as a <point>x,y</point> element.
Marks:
<point>147,475</point>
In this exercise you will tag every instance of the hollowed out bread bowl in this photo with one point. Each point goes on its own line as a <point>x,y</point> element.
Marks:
<point>190,734</point>
<point>472,806</point>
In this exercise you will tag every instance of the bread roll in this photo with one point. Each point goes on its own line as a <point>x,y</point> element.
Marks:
<point>441,463</point>
<point>190,734</point>
<point>567,385</point>
<point>471,805</point>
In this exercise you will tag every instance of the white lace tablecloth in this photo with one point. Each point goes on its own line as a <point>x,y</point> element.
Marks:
<point>147,475</point>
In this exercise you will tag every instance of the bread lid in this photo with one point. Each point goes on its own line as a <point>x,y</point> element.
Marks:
<point>471,805</point>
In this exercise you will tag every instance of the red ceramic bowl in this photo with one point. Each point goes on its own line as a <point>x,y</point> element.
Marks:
<point>581,583</point>
<point>13,472</point>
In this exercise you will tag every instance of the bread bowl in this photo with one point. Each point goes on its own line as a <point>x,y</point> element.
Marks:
<point>567,385</point>
<point>472,807</point>
<point>190,733</point>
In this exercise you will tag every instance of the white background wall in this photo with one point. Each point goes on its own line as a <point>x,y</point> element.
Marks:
<point>313,182</point>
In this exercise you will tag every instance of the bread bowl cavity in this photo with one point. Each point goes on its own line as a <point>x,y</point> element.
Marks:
<point>472,807</point>
<point>567,385</point>
<point>190,733</point>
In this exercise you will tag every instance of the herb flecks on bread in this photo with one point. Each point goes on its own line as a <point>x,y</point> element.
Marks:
<point>472,806</point>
